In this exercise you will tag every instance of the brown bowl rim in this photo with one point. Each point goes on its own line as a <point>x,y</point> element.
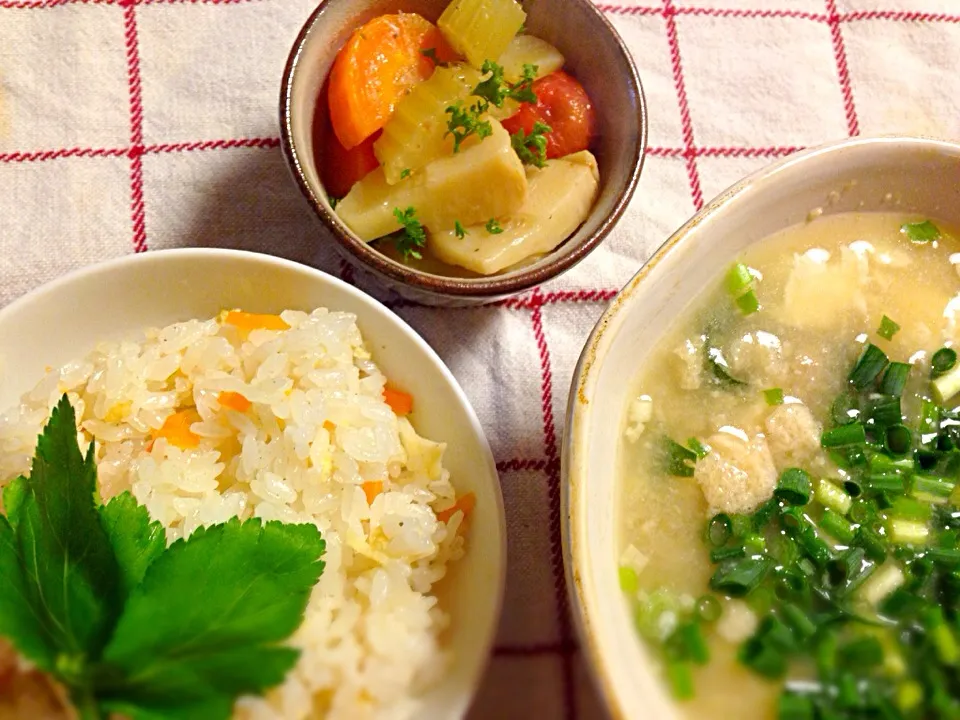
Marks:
<point>487,287</point>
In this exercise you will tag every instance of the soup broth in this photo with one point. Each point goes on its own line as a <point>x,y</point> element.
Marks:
<point>753,391</point>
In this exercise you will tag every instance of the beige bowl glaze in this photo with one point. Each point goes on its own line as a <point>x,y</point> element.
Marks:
<point>64,320</point>
<point>890,174</point>
<point>595,54</point>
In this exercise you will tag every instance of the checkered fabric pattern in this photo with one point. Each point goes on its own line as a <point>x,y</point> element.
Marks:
<point>133,125</point>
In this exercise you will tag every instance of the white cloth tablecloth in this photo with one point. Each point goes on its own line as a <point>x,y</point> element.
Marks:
<point>135,125</point>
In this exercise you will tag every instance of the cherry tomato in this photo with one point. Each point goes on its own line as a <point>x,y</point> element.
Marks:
<point>564,105</point>
<point>341,168</point>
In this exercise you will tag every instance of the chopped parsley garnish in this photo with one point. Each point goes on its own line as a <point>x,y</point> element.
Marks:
<point>413,237</point>
<point>333,201</point>
<point>495,89</point>
<point>405,173</point>
<point>921,232</point>
<point>532,148</point>
<point>458,229</point>
<point>93,596</point>
<point>493,227</point>
<point>465,121</point>
<point>432,54</point>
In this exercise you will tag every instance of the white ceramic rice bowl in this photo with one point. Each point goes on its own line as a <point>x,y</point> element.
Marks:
<point>891,174</point>
<point>64,319</point>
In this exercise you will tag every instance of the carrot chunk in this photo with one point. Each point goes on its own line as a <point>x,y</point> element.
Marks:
<point>465,503</point>
<point>176,429</point>
<point>252,321</point>
<point>379,64</point>
<point>400,402</point>
<point>372,488</point>
<point>234,401</point>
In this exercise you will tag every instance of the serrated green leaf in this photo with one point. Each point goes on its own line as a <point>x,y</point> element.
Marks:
<point>19,622</point>
<point>70,572</point>
<point>136,541</point>
<point>208,617</point>
<point>13,496</point>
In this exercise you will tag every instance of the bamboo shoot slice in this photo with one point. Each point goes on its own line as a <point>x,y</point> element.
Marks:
<point>559,198</point>
<point>529,50</point>
<point>482,181</point>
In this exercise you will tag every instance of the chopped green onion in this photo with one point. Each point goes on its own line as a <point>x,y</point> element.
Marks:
<point>794,487</point>
<point>793,706</point>
<point>907,532</point>
<point>695,645</point>
<point>884,483</point>
<point>872,543</point>
<point>833,496</point>
<point>921,232</point>
<point>909,696</point>
<point>629,582</point>
<point>940,634</point>
<point>947,385</point>
<point>738,577</point>
<point>895,378</point>
<point>720,530</point>
<point>853,487</point>
<point>837,526</point>
<point>888,328</point>
<point>852,434</point>
<point>884,411</point>
<point>945,556</point>
<point>943,361</point>
<point>871,363</point>
<point>909,508</point>
<point>845,408</point>
<point>799,621</point>
<point>773,396</point>
<point>677,460</point>
<point>718,555</point>
<point>709,608</point>
<point>897,439</point>
<point>720,368</point>
<point>862,512</point>
<point>748,303</point>
<point>698,447</point>
<point>931,489</point>
<point>680,676</point>
<point>862,653</point>
<point>739,280</point>
<point>762,515</point>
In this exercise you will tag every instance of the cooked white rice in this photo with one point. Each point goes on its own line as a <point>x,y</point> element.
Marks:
<point>370,637</point>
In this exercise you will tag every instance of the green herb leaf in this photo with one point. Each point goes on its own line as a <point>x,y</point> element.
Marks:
<point>136,541</point>
<point>532,148</point>
<point>333,201</point>
<point>413,237</point>
<point>19,621</point>
<point>465,121</point>
<point>773,396</point>
<point>405,173</point>
<point>921,232</point>
<point>495,89</point>
<point>458,229</point>
<point>14,495</point>
<point>432,54</point>
<point>71,575</point>
<point>493,227</point>
<point>718,366</point>
<point>205,624</point>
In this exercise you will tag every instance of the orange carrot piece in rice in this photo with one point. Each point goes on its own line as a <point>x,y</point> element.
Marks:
<point>329,426</point>
<point>372,488</point>
<point>465,503</point>
<point>234,401</point>
<point>252,321</point>
<point>176,430</point>
<point>400,402</point>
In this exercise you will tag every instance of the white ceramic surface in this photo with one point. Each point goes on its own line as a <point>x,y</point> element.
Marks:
<point>65,319</point>
<point>874,174</point>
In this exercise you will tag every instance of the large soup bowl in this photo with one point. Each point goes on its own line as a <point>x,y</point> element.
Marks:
<point>892,174</point>
<point>68,317</point>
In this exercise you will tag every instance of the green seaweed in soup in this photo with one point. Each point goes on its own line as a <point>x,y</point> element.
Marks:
<point>791,458</point>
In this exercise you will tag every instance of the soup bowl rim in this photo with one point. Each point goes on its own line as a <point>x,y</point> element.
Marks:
<point>575,467</point>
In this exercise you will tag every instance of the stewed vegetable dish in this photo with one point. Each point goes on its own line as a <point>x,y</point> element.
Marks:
<point>790,466</point>
<point>462,144</point>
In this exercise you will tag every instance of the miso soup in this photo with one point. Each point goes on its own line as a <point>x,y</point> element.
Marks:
<point>790,459</point>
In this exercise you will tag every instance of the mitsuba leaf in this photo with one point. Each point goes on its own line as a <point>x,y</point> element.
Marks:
<point>206,621</point>
<point>13,496</point>
<point>69,570</point>
<point>19,622</point>
<point>136,541</point>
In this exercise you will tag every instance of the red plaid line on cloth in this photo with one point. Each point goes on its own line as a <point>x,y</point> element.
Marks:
<point>128,125</point>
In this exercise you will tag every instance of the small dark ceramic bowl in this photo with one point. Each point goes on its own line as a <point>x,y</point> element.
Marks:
<point>594,53</point>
